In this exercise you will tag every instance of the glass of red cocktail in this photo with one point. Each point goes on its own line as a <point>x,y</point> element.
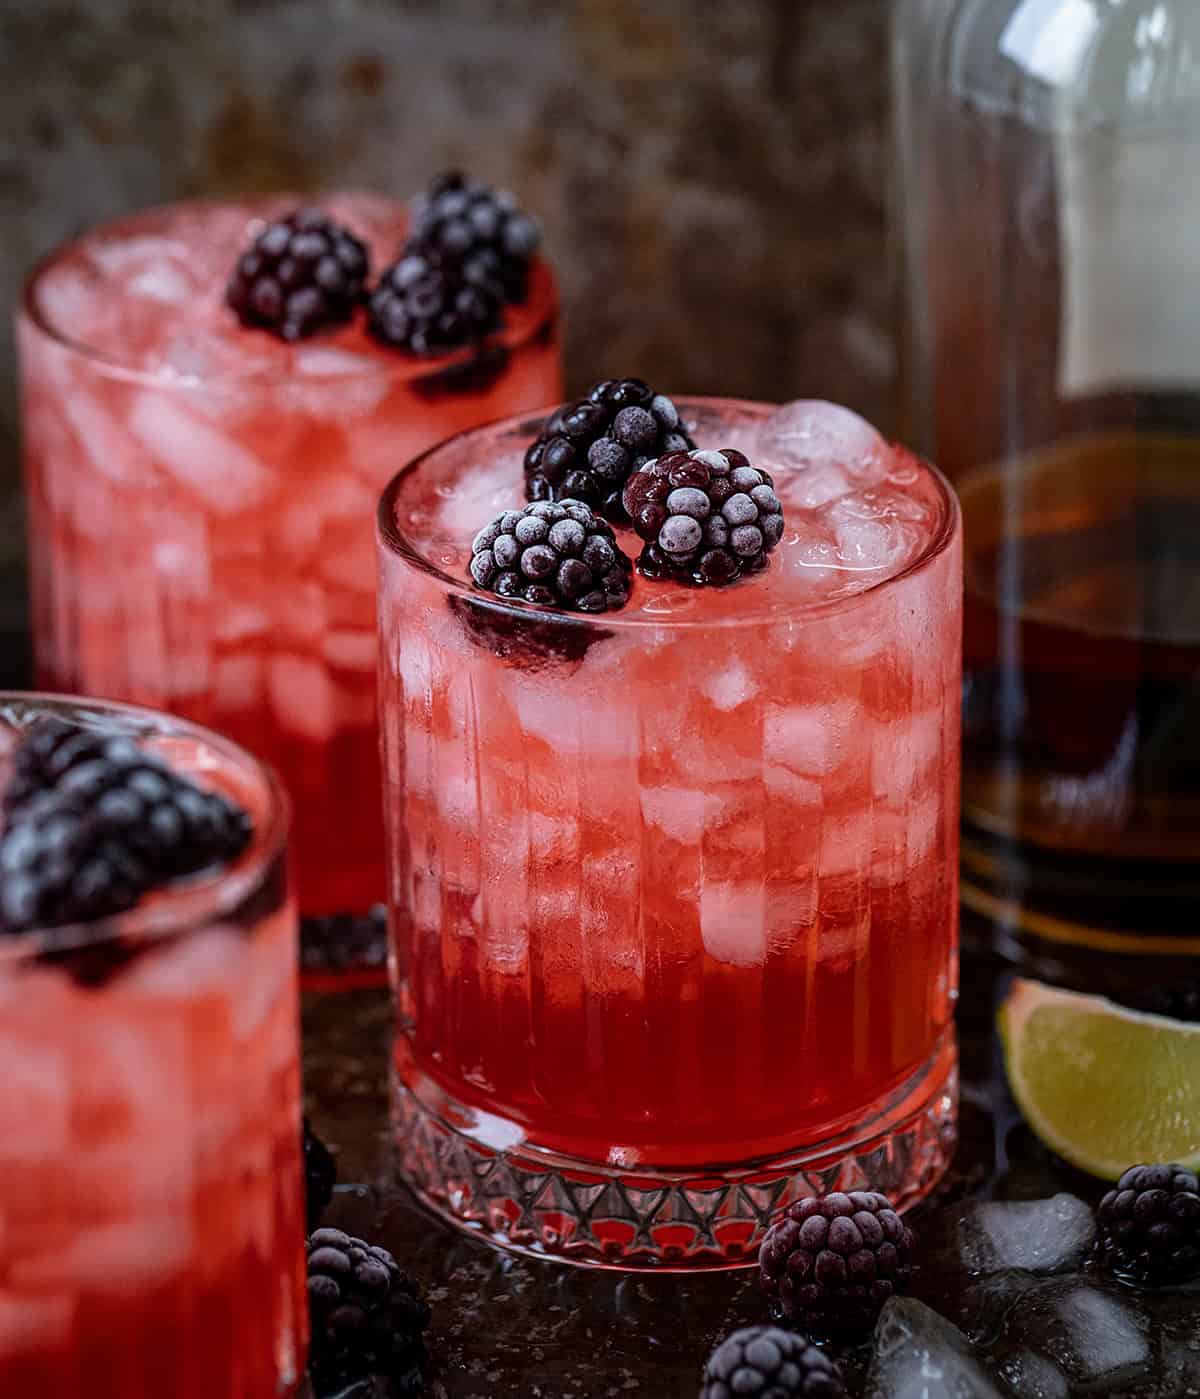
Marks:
<point>201,493</point>
<point>152,1214</point>
<point>674,887</point>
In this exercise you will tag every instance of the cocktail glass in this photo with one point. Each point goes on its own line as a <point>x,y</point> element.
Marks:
<point>674,889</point>
<point>201,499</point>
<point>152,1212</point>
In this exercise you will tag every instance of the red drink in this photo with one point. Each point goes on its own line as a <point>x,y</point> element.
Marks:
<point>152,1214</point>
<point>201,495</point>
<point>675,888</point>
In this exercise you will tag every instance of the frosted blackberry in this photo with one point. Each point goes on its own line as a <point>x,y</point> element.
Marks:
<point>93,822</point>
<point>428,305</point>
<point>1150,1225</point>
<point>707,517</point>
<point>320,1175</point>
<point>555,553</point>
<point>587,450</point>
<point>301,273</point>
<point>765,1362</point>
<point>467,223</point>
<point>368,1316</point>
<point>830,1262</point>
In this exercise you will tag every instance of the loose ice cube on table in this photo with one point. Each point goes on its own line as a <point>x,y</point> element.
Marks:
<point>920,1355</point>
<point>809,433</point>
<point>1093,1336</point>
<point>1037,1236</point>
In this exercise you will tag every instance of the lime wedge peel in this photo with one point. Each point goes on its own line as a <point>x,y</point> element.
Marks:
<point>1104,1087</point>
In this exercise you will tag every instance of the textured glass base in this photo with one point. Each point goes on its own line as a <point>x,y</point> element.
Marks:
<point>480,1174</point>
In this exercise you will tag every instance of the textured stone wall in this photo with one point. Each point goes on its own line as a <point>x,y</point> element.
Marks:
<point>711,173</point>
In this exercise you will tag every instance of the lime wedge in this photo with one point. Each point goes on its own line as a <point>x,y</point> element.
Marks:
<point>1105,1087</point>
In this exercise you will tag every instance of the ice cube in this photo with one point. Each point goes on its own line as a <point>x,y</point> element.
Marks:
<point>123,1257</point>
<point>101,442</point>
<point>808,433</point>
<point>810,740</point>
<point>208,464</point>
<point>1094,1337</point>
<point>162,281</point>
<point>1037,1236</point>
<point>302,696</point>
<point>239,622</point>
<point>733,923</point>
<point>676,811</point>
<point>1031,1376</point>
<point>1099,1335</point>
<point>351,650</point>
<point>207,963</point>
<point>35,1107</point>
<point>875,545</point>
<point>331,383</point>
<point>814,487</point>
<point>477,497</point>
<point>729,687</point>
<point>920,1355</point>
<point>35,1323</point>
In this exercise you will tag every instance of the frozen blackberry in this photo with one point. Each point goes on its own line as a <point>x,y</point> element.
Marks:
<point>320,1175</point>
<point>830,1262</point>
<point>465,222</point>
<point>765,1362</point>
<point>301,273</point>
<point>1150,1225</point>
<point>587,450</point>
<point>368,1316</point>
<point>93,822</point>
<point>555,553</point>
<point>707,517</point>
<point>428,305</point>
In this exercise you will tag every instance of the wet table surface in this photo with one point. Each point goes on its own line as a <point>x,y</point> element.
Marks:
<point>507,1326</point>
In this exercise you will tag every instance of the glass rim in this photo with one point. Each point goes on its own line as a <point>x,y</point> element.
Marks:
<point>542,305</point>
<point>392,538</point>
<point>198,901</point>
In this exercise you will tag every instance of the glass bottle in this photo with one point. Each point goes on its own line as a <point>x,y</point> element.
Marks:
<point>1048,202</point>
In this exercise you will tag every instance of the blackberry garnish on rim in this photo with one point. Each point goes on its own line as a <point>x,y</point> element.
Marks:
<point>427,304</point>
<point>301,273</point>
<point>557,554</point>
<point>481,230</point>
<point>707,517</point>
<point>94,821</point>
<point>588,449</point>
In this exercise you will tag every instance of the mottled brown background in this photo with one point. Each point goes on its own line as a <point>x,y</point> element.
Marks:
<point>711,173</point>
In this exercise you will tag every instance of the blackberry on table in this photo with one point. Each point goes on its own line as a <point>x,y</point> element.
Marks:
<point>554,553</point>
<point>429,305</point>
<point>93,822</point>
<point>766,1362</point>
<point>368,1316</point>
<point>1150,1225</point>
<point>301,273</point>
<point>320,1175</point>
<point>830,1262</point>
<point>588,449</point>
<point>707,517</point>
<point>482,231</point>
